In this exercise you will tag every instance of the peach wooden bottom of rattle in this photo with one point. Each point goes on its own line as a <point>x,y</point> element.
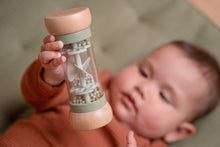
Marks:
<point>91,120</point>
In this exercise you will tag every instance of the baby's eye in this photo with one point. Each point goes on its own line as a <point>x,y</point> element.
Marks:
<point>143,73</point>
<point>163,97</point>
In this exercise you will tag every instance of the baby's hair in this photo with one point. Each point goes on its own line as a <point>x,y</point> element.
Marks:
<point>210,70</point>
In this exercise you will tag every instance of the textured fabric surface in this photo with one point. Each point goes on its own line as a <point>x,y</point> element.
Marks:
<point>123,31</point>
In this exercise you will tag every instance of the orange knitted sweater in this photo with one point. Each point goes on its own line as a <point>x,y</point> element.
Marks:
<point>49,125</point>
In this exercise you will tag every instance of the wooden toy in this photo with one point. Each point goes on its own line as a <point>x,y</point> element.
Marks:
<point>88,106</point>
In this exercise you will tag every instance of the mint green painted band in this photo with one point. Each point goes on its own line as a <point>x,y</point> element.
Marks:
<point>83,108</point>
<point>74,37</point>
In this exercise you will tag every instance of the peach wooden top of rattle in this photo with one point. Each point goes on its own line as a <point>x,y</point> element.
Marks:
<point>68,21</point>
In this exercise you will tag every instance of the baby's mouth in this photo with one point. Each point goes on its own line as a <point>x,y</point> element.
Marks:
<point>129,102</point>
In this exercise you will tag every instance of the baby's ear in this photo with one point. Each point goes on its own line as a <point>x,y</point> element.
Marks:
<point>184,130</point>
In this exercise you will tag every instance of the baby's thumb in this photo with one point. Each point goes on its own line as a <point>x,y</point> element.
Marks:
<point>131,142</point>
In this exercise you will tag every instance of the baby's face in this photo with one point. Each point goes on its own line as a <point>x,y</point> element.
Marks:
<point>155,95</point>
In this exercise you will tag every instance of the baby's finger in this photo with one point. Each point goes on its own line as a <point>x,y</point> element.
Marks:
<point>47,56</point>
<point>49,38</point>
<point>52,46</point>
<point>58,61</point>
<point>131,142</point>
<point>54,63</point>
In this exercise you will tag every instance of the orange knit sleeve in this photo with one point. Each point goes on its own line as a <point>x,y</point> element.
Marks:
<point>158,143</point>
<point>39,94</point>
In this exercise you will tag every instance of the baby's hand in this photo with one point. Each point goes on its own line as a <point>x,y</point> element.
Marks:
<point>51,60</point>
<point>131,142</point>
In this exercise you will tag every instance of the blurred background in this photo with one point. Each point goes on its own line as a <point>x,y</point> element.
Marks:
<point>123,31</point>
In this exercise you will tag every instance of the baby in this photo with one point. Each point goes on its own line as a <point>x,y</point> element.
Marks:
<point>157,97</point>
<point>163,93</point>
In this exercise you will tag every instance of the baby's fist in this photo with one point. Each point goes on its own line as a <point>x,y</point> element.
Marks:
<point>51,60</point>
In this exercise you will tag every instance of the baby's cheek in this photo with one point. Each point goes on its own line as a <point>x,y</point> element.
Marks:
<point>154,124</point>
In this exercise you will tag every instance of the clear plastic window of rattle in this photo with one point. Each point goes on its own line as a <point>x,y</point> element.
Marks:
<point>81,76</point>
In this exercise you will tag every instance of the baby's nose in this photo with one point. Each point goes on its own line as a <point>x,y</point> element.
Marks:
<point>146,89</point>
<point>140,91</point>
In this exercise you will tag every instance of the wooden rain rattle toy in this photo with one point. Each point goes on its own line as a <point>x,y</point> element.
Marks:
<point>88,106</point>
